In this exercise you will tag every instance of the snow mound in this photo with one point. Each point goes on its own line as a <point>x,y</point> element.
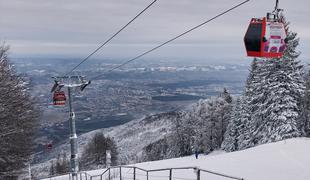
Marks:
<point>285,160</point>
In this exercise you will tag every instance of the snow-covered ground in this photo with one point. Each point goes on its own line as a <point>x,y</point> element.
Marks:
<point>130,138</point>
<point>284,160</point>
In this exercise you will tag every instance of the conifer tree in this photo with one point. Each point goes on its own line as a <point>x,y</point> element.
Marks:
<point>271,104</point>
<point>181,138</point>
<point>226,96</point>
<point>305,117</point>
<point>212,116</point>
<point>272,97</point>
<point>232,133</point>
<point>282,87</point>
<point>94,155</point>
<point>250,103</point>
<point>18,119</point>
<point>52,169</point>
<point>246,125</point>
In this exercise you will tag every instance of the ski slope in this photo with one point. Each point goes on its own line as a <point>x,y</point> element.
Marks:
<point>284,160</point>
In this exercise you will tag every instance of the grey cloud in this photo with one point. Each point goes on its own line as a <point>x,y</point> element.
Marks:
<point>68,26</point>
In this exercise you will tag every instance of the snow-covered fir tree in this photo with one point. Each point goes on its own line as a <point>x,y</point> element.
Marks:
<point>202,128</point>
<point>18,120</point>
<point>249,104</point>
<point>183,132</point>
<point>61,166</point>
<point>211,118</point>
<point>305,117</point>
<point>239,135</point>
<point>157,151</point>
<point>232,133</point>
<point>226,96</point>
<point>271,105</point>
<point>94,154</point>
<point>282,89</point>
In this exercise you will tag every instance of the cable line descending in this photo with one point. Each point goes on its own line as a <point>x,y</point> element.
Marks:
<point>184,33</point>
<point>108,40</point>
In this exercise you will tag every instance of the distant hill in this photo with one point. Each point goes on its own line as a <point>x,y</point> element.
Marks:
<point>130,138</point>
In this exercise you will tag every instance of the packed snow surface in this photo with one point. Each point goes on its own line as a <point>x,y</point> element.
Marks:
<point>284,160</point>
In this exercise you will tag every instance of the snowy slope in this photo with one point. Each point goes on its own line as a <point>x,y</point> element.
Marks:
<point>130,138</point>
<point>284,160</point>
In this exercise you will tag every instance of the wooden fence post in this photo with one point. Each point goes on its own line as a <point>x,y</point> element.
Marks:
<point>147,175</point>
<point>170,174</point>
<point>120,173</point>
<point>109,173</point>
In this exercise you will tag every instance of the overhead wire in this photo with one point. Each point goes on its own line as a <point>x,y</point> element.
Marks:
<point>173,39</point>
<point>14,131</point>
<point>108,40</point>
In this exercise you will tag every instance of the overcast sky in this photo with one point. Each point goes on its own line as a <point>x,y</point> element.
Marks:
<point>73,28</point>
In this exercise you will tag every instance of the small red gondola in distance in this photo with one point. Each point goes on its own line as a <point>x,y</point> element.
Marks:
<point>59,98</point>
<point>265,38</point>
<point>49,146</point>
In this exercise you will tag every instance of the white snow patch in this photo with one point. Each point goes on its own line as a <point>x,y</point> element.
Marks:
<point>284,160</point>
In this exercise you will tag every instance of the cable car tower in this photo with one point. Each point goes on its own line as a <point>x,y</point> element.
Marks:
<point>59,100</point>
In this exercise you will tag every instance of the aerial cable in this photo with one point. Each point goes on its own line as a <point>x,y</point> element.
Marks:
<point>184,33</point>
<point>108,40</point>
<point>14,131</point>
<point>277,4</point>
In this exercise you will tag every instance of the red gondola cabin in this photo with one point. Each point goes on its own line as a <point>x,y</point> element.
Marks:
<point>265,38</point>
<point>49,146</point>
<point>59,98</point>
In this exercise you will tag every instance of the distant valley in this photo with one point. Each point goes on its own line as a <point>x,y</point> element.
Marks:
<point>130,93</point>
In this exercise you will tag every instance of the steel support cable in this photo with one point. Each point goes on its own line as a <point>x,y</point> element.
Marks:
<point>184,33</point>
<point>14,131</point>
<point>108,40</point>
